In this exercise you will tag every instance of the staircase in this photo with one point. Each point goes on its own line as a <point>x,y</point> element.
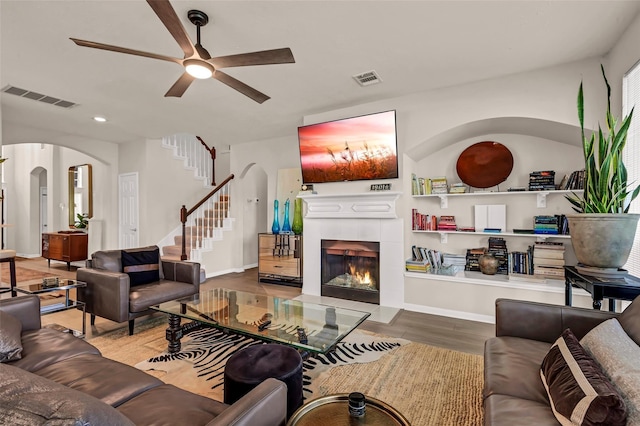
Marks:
<point>205,226</point>
<point>205,223</point>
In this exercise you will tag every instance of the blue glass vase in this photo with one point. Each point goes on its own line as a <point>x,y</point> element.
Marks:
<point>275,228</point>
<point>286,225</point>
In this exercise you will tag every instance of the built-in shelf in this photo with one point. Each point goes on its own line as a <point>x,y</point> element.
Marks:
<point>478,278</point>
<point>540,237</point>
<point>541,196</point>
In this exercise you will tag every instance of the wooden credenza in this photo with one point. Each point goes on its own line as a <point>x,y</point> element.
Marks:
<point>65,246</point>
<point>280,259</point>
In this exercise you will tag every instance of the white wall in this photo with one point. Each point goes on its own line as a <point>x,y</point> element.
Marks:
<point>23,200</point>
<point>255,208</point>
<point>164,186</point>
<point>620,59</point>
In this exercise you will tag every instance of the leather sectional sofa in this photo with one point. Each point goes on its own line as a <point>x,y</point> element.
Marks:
<point>62,380</point>
<point>514,390</point>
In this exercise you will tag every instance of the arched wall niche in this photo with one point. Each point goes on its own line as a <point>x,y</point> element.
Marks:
<point>546,129</point>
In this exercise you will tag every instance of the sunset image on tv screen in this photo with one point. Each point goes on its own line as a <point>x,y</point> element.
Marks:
<point>356,148</point>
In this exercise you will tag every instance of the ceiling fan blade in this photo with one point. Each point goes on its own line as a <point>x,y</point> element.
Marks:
<point>180,86</point>
<point>118,49</point>
<point>249,91</point>
<point>202,52</point>
<point>168,16</point>
<point>264,57</point>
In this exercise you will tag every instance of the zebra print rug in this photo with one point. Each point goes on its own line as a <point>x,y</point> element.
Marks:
<point>199,366</point>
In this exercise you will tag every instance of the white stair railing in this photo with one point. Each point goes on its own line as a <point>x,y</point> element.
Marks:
<point>206,221</point>
<point>195,153</point>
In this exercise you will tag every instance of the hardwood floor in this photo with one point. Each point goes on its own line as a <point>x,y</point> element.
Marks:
<point>450,333</point>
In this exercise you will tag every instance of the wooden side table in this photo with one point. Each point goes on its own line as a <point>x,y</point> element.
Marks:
<point>624,287</point>
<point>334,410</point>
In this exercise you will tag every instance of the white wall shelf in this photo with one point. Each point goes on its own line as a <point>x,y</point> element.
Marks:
<point>539,237</point>
<point>541,196</point>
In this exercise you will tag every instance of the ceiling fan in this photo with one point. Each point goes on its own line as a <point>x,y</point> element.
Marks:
<point>197,61</point>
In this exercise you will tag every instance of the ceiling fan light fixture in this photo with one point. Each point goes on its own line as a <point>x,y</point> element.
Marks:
<point>198,69</point>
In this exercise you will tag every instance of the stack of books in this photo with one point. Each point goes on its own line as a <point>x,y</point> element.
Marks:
<point>545,225</point>
<point>543,180</point>
<point>454,259</point>
<point>472,259</point>
<point>548,259</point>
<point>447,223</point>
<point>498,248</point>
<point>457,188</point>
<point>439,185</point>
<point>412,265</point>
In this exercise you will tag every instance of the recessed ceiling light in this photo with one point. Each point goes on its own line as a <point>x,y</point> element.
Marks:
<point>99,119</point>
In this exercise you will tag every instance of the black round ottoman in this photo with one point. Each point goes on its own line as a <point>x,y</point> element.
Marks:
<point>249,367</point>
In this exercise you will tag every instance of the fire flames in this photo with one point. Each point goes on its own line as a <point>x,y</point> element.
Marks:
<point>362,278</point>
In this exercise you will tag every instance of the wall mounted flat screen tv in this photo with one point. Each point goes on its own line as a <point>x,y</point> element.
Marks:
<point>356,148</point>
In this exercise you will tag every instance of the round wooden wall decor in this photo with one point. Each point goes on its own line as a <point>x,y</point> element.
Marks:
<point>484,164</point>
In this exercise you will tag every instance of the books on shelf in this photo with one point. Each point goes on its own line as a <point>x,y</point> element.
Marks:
<point>437,185</point>
<point>417,265</point>
<point>454,259</point>
<point>424,258</point>
<point>472,259</point>
<point>498,248</point>
<point>543,180</point>
<point>548,259</point>
<point>521,262</point>
<point>547,224</point>
<point>423,222</point>
<point>467,228</point>
<point>447,223</point>
<point>575,181</point>
<point>457,188</point>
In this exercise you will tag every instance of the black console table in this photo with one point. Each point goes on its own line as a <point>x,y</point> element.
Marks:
<point>625,287</point>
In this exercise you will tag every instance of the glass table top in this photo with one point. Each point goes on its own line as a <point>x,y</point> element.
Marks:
<point>48,284</point>
<point>248,314</point>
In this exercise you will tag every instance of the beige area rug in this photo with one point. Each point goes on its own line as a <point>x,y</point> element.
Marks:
<point>22,274</point>
<point>429,385</point>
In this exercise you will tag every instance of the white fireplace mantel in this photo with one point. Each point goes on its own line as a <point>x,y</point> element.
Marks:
<point>369,216</point>
<point>365,205</point>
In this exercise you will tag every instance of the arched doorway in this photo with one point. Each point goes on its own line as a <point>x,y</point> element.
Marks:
<point>254,190</point>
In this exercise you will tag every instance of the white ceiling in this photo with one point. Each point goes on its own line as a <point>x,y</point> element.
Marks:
<point>413,45</point>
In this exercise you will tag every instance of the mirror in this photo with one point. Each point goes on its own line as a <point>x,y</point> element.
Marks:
<point>80,195</point>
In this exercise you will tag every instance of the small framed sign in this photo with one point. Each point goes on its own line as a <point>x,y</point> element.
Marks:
<point>380,186</point>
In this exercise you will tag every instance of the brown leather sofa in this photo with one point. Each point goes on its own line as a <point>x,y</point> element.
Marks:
<point>110,292</point>
<point>514,393</point>
<point>61,379</point>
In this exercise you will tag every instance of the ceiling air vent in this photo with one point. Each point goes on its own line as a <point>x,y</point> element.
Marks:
<point>12,90</point>
<point>367,78</point>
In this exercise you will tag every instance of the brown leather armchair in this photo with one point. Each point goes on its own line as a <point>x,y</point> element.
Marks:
<point>118,293</point>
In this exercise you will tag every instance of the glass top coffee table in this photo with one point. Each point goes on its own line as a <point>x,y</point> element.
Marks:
<point>306,326</point>
<point>56,285</point>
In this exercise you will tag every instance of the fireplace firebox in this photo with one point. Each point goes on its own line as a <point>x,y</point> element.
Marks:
<point>350,270</point>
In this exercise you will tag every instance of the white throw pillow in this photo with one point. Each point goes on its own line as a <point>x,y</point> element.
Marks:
<point>619,357</point>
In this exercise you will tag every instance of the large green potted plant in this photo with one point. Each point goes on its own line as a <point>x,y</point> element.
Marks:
<point>602,233</point>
